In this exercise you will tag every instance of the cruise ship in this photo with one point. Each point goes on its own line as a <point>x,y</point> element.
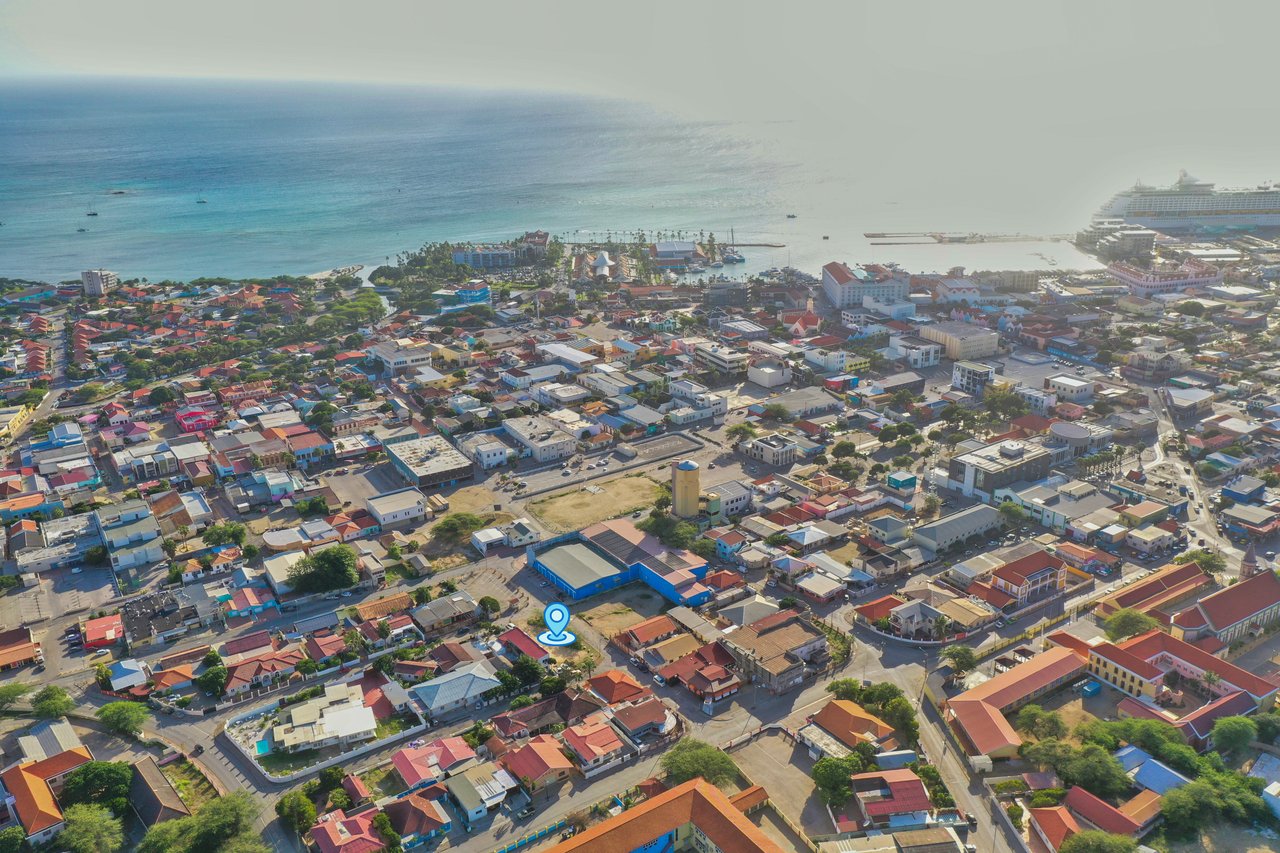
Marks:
<point>1190,203</point>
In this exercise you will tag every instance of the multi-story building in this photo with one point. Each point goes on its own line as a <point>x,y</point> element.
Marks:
<point>98,282</point>
<point>951,530</point>
<point>429,461</point>
<point>1030,578</point>
<point>980,472</point>
<point>771,449</point>
<point>541,438</point>
<point>401,507</point>
<point>972,377</point>
<point>1038,402</point>
<point>962,340</point>
<point>1070,389</point>
<point>721,359</point>
<point>130,533</point>
<point>402,355</point>
<point>846,286</point>
<point>769,372</point>
<point>484,257</point>
<point>776,650</point>
<point>1165,279</point>
<point>914,350</point>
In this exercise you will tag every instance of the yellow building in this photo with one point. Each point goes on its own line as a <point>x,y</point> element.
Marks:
<point>13,419</point>
<point>686,487</point>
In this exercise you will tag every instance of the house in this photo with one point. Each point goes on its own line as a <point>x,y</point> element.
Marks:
<point>128,673</point>
<point>648,632</point>
<point>538,763</point>
<point>450,655</point>
<point>479,790</point>
<point>103,632</point>
<point>1053,825</point>
<point>336,832</point>
<point>563,709</point>
<point>380,608</point>
<point>1031,577</point>
<point>593,741</point>
<point>443,614</point>
<point>31,789</point>
<point>849,724</point>
<point>516,643</point>
<point>457,690</point>
<point>336,718</point>
<point>417,819</point>
<point>425,765</point>
<point>885,797</point>
<point>618,688</point>
<point>152,796</point>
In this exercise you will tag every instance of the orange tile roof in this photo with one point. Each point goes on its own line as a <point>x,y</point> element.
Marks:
<point>850,723</point>
<point>384,606</point>
<point>539,757</point>
<point>33,799</point>
<point>1056,823</point>
<point>695,802</point>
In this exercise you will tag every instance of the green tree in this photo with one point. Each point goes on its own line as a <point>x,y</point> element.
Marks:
<point>91,829</point>
<point>741,432</point>
<point>776,412</point>
<point>124,718</point>
<point>52,702</point>
<point>103,782</point>
<point>1040,723</point>
<point>1097,771</point>
<point>382,826</point>
<point>1097,841</point>
<point>844,449</point>
<point>528,670</point>
<point>229,533</point>
<point>457,526</point>
<point>10,693</point>
<point>1233,735</point>
<point>213,680</point>
<point>1127,622</point>
<point>160,395</point>
<point>1013,514</point>
<point>328,569</point>
<point>691,759</point>
<point>898,713</point>
<point>211,658</point>
<point>13,840</point>
<point>704,548</point>
<point>1211,561</point>
<point>490,604</point>
<point>421,594</point>
<point>961,658</point>
<point>831,777</point>
<point>845,688</point>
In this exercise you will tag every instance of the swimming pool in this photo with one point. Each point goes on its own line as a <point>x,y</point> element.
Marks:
<point>263,746</point>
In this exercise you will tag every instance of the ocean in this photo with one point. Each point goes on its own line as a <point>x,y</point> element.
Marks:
<point>299,178</point>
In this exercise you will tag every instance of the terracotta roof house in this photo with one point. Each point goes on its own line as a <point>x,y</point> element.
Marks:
<point>563,709</point>
<point>385,606</point>
<point>323,645</point>
<point>1053,825</point>
<point>648,632</point>
<point>851,724</point>
<point>1097,813</point>
<point>450,655</point>
<point>616,687</point>
<point>418,819</point>
<point>152,796</point>
<point>695,805</point>
<point>335,832</point>
<point>884,796</point>
<point>1159,592</point>
<point>421,766</point>
<point>593,741</point>
<point>32,786</point>
<point>517,643</point>
<point>641,718</point>
<point>539,763</point>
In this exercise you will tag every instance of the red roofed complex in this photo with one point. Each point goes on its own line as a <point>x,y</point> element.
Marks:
<point>517,642</point>
<point>1033,576</point>
<point>977,715</point>
<point>594,741</point>
<point>1053,825</point>
<point>1098,813</point>
<point>32,787</point>
<point>1238,612</point>
<point>104,631</point>
<point>335,832</point>
<point>618,688</point>
<point>538,763</point>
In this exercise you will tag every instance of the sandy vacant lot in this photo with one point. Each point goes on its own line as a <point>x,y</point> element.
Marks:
<point>1222,839</point>
<point>625,607</point>
<point>581,507</point>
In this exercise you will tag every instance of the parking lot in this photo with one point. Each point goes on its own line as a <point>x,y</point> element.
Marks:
<point>662,446</point>
<point>784,768</point>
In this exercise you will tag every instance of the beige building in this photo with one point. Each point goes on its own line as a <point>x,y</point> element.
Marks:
<point>962,340</point>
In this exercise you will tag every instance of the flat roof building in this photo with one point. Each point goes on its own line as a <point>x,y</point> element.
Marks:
<point>429,461</point>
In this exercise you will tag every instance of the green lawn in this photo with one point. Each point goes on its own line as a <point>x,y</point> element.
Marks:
<point>394,725</point>
<point>282,763</point>
<point>383,781</point>
<point>400,571</point>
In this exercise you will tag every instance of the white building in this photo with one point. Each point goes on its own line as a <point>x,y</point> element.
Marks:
<point>1071,389</point>
<point>403,506</point>
<point>772,449</point>
<point>914,350</point>
<point>98,282</point>
<point>485,450</point>
<point>541,438</point>
<point>972,377</point>
<point>1038,402</point>
<point>402,355</point>
<point>722,359</point>
<point>846,287</point>
<point>769,372</point>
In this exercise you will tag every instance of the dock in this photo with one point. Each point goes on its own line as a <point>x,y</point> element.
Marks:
<point>904,238</point>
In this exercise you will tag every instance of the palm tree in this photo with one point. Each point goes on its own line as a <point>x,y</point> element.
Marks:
<point>940,627</point>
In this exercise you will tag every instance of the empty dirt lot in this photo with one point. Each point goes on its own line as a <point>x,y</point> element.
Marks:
<point>625,607</point>
<point>583,506</point>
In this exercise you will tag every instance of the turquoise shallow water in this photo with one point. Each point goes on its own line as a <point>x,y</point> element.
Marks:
<point>299,178</point>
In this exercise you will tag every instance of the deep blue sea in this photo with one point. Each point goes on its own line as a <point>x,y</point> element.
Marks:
<point>301,178</point>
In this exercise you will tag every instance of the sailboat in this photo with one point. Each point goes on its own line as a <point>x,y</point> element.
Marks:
<point>200,198</point>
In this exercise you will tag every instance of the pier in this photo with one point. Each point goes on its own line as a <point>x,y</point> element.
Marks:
<point>903,238</point>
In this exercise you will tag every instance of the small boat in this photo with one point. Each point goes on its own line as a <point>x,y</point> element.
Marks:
<point>201,201</point>
<point>81,230</point>
<point>715,265</point>
<point>791,216</point>
<point>92,213</point>
<point>825,237</point>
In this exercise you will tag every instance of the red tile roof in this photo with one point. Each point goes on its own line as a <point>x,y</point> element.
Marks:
<point>902,791</point>
<point>1239,602</point>
<point>1101,814</point>
<point>1147,646</point>
<point>1056,824</point>
<point>1118,656</point>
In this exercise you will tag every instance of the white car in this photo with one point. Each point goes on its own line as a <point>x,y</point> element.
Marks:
<point>77,570</point>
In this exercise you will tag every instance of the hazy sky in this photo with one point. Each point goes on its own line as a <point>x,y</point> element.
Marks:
<point>870,61</point>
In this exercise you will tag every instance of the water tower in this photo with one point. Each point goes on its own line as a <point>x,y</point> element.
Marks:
<point>686,487</point>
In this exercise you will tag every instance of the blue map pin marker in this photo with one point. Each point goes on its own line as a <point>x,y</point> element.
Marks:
<point>557,616</point>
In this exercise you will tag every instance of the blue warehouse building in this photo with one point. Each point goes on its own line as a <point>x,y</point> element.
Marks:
<point>608,555</point>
